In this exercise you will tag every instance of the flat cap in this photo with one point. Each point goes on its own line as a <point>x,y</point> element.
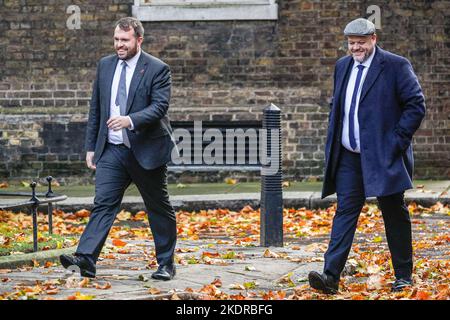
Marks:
<point>359,27</point>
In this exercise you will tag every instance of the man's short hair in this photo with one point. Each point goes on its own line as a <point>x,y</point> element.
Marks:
<point>131,22</point>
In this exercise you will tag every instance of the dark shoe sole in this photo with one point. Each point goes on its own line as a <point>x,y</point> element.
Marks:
<point>160,277</point>
<point>66,263</point>
<point>87,274</point>
<point>400,289</point>
<point>316,282</point>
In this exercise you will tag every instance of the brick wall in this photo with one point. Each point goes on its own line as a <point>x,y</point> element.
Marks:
<point>221,71</point>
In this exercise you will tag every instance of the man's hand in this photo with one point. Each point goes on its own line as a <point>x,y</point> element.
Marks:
<point>89,160</point>
<point>118,123</point>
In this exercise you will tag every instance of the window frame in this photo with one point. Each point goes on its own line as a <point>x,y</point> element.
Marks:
<point>204,10</point>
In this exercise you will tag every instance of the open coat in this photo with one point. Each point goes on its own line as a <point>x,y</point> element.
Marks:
<point>391,109</point>
<point>147,105</point>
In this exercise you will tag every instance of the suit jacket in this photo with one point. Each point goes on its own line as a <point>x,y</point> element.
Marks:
<point>391,109</point>
<point>147,105</point>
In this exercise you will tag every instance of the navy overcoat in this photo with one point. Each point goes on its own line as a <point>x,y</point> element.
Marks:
<point>391,109</point>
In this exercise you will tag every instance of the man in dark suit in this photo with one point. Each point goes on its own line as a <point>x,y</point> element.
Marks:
<point>129,139</point>
<point>377,106</point>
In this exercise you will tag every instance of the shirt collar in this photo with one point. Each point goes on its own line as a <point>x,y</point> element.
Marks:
<point>133,61</point>
<point>366,63</point>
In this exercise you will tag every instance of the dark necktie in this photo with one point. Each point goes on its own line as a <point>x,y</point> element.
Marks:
<point>351,115</point>
<point>121,99</point>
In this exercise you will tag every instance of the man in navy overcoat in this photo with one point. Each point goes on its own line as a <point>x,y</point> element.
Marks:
<point>377,107</point>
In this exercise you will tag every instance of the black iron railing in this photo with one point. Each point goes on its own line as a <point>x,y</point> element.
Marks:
<point>35,201</point>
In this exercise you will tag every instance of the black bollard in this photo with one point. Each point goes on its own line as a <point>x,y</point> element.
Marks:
<point>34,208</point>
<point>271,181</point>
<point>50,194</point>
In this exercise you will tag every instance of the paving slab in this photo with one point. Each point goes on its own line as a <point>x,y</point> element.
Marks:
<point>129,283</point>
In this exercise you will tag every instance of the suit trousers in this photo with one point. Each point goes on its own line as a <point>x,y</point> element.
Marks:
<point>116,169</point>
<point>350,200</point>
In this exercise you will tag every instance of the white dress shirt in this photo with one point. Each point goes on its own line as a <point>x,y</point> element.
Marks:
<point>115,137</point>
<point>348,101</point>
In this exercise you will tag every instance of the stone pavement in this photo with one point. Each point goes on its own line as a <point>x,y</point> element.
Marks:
<point>130,274</point>
<point>125,273</point>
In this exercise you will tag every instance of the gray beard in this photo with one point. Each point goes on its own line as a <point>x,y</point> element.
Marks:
<point>365,56</point>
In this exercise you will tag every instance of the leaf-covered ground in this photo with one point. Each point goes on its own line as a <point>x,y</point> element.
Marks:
<point>368,273</point>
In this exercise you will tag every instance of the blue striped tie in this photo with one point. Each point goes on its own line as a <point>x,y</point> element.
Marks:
<point>121,99</point>
<point>351,116</point>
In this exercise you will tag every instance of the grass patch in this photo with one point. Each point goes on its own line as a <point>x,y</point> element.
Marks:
<point>14,241</point>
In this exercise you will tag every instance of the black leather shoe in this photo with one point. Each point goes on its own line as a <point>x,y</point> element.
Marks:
<point>401,284</point>
<point>87,269</point>
<point>323,282</point>
<point>166,272</point>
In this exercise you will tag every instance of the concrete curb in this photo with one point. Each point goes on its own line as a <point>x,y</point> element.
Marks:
<point>17,261</point>
<point>310,200</point>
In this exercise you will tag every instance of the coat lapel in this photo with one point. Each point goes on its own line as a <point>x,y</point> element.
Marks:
<point>374,71</point>
<point>110,70</point>
<point>138,74</point>
<point>342,81</point>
